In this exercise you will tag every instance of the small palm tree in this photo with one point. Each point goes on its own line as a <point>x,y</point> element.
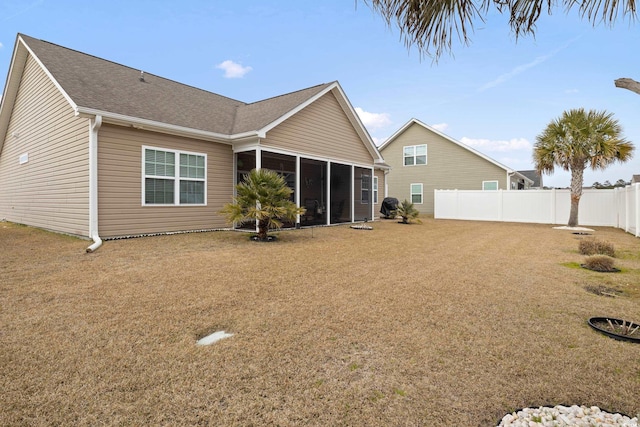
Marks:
<point>407,211</point>
<point>263,196</point>
<point>579,139</point>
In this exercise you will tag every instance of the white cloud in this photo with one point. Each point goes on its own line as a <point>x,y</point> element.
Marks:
<point>373,120</point>
<point>233,70</point>
<point>569,91</point>
<point>513,144</point>
<point>1,45</point>
<point>440,126</point>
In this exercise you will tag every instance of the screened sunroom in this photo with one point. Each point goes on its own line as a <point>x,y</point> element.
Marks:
<point>331,192</point>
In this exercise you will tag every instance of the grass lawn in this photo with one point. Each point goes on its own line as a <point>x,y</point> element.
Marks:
<point>444,323</point>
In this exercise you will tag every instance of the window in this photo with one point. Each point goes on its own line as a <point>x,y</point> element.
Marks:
<point>415,155</point>
<point>416,193</point>
<point>489,185</point>
<point>174,177</point>
<point>364,189</point>
<point>375,189</point>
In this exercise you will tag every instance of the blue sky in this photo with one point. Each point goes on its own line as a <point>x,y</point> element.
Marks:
<point>495,95</point>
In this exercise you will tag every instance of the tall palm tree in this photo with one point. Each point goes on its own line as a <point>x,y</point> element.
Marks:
<point>263,196</point>
<point>578,139</point>
<point>430,25</point>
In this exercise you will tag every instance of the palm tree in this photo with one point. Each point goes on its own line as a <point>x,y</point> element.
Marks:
<point>627,83</point>
<point>576,140</point>
<point>430,25</point>
<point>407,211</point>
<point>263,196</point>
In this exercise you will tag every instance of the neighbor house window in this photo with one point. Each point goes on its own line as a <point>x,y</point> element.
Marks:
<point>364,189</point>
<point>416,193</point>
<point>415,155</point>
<point>173,177</point>
<point>489,185</point>
<point>375,189</point>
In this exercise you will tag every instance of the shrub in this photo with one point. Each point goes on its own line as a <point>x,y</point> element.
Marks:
<point>596,247</point>
<point>602,263</point>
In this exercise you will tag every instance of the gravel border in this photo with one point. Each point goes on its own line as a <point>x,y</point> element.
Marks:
<point>560,415</point>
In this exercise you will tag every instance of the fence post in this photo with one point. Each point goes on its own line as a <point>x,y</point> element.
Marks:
<point>553,206</point>
<point>626,209</point>
<point>637,213</point>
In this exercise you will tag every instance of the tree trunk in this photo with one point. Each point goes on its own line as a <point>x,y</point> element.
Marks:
<point>263,229</point>
<point>626,83</point>
<point>576,192</point>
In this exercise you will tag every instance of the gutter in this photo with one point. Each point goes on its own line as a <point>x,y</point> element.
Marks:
<point>138,123</point>
<point>94,126</point>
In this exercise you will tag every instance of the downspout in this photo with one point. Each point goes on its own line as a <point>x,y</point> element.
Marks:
<point>386,185</point>
<point>93,183</point>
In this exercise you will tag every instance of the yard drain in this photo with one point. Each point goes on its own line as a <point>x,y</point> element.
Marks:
<point>214,337</point>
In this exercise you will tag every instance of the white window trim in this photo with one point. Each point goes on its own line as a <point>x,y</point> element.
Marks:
<point>362,189</point>
<point>176,178</point>
<point>412,193</point>
<point>485,182</point>
<point>413,147</point>
<point>375,190</point>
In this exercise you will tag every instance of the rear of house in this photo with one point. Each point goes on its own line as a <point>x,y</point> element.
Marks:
<point>423,159</point>
<point>93,148</point>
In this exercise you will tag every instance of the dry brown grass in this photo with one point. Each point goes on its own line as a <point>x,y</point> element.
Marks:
<point>447,323</point>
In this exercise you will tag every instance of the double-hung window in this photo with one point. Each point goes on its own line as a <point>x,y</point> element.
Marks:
<point>416,193</point>
<point>375,189</point>
<point>173,177</point>
<point>364,193</point>
<point>415,155</point>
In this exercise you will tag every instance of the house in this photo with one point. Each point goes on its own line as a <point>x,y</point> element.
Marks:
<point>423,159</point>
<point>535,177</point>
<point>93,148</point>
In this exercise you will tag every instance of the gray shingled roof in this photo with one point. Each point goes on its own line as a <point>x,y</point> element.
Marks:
<point>98,84</point>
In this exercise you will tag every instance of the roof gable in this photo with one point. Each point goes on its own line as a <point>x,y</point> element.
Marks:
<point>261,114</point>
<point>417,122</point>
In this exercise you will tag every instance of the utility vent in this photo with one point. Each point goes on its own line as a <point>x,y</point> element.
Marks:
<point>214,337</point>
<point>24,158</point>
<point>141,76</point>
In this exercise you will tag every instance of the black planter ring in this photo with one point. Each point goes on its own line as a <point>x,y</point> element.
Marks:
<point>595,321</point>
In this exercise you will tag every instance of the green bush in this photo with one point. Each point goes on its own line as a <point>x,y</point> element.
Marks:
<point>596,247</point>
<point>601,263</point>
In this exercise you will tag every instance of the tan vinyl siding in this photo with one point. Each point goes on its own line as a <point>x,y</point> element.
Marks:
<point>449,166</point>
<point>380,175</point>
<point>120,210</point>
<point>321,129</point>
<point>51,190</point>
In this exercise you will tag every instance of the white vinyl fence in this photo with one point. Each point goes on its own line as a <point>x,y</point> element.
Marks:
<point>619,207</point>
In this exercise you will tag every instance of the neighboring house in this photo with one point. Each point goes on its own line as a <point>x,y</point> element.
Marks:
<point>635,179</point>
<point>93,148</point>
<point>423,159</point>
<point>534,176</point>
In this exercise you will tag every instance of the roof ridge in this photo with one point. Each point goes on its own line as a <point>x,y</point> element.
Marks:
<point>289,93</point>
<point>130,68</point>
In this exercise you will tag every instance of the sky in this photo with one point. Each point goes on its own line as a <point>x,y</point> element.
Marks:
<point>495,94</point>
